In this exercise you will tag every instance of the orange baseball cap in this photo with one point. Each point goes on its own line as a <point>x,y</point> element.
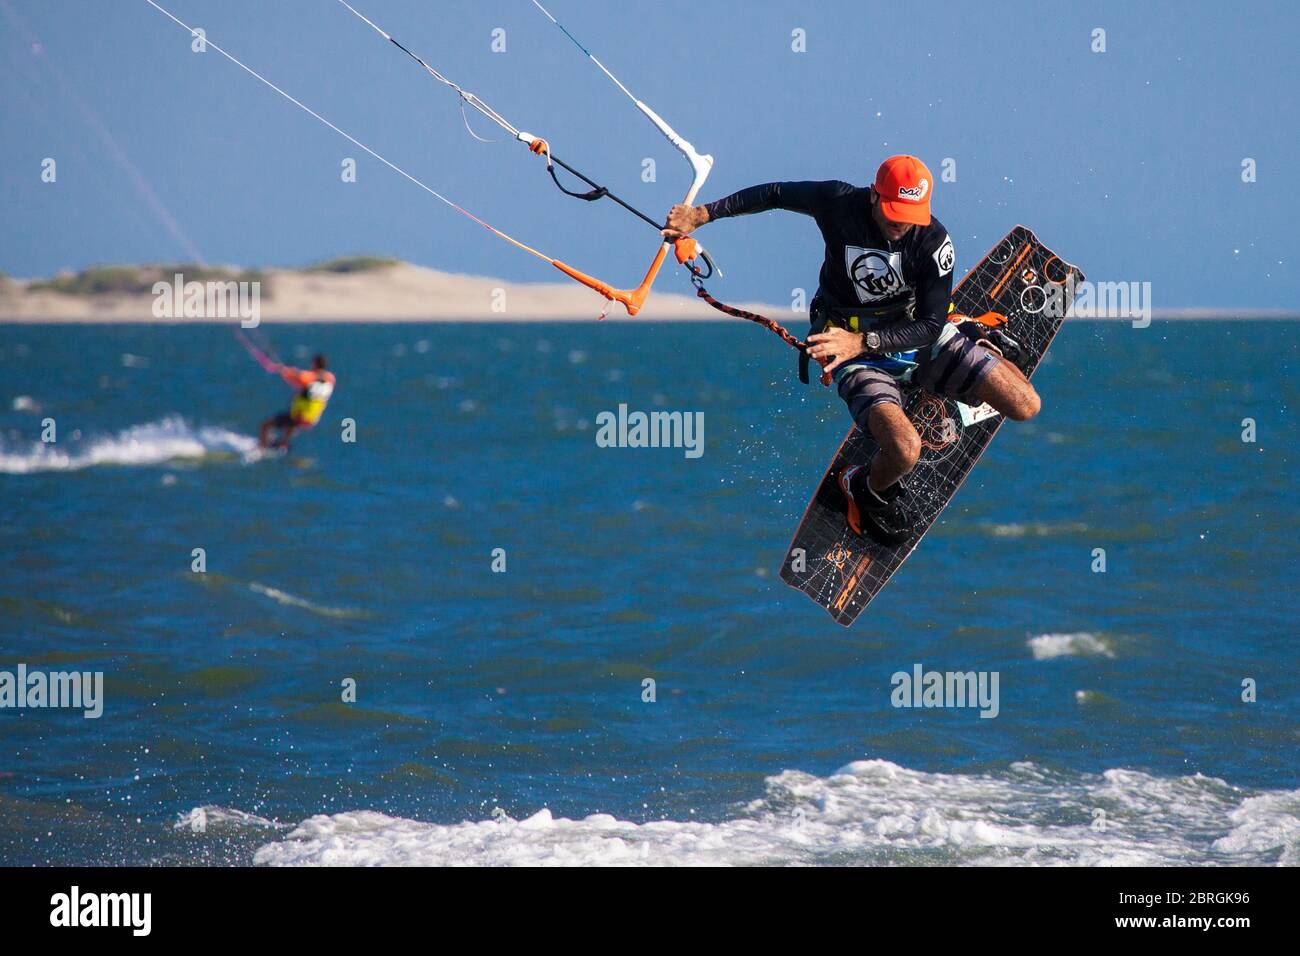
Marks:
<point>904,184</point>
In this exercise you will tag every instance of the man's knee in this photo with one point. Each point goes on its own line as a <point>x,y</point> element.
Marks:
<point>903,447</point>
<point>909,449</point>
<point>1026,405</point>
<point>1007,390</point>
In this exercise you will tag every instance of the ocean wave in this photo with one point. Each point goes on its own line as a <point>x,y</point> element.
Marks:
<point>1034,529</point>
<point>211,819</point>
<point>871,812</point>
<point>1046,646</point>
<point>291,600</point>
<point>152,443</point>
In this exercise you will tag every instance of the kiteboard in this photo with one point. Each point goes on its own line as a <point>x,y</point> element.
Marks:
<point>1021,288</point>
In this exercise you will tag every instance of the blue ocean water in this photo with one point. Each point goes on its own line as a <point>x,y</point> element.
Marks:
<point>499,717</point>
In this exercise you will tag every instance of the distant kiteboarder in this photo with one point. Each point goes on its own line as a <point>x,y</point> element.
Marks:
<point>315,387</point>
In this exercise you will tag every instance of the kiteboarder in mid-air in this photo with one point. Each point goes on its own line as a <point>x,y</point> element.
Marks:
<point>315,386</point>
<point>879,320</point>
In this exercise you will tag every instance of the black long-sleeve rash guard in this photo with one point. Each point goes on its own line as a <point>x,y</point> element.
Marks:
<point>863,268</point>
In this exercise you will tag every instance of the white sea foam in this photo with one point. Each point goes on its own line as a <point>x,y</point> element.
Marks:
<point>1046,646</point>
<point>1263,822</point>
<point>869,812</point>
<point>1034,529</point>
<point>148,444</point>
<point>213,818</point>
<point>292,600</point>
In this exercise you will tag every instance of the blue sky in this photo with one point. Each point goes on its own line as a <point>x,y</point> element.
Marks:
<point>1127,162</point>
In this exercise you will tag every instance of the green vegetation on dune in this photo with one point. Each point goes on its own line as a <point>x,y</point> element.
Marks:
<point>348,264</point>
<point>93,281</point>
<point>139,280</point>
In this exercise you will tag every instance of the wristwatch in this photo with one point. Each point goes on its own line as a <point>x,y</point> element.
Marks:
<point>872,341</point>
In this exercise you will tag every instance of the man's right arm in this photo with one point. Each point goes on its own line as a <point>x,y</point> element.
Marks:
<point>808,198</point>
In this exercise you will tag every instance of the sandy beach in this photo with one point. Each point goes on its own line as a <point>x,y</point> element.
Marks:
<point>400,292</point>
<point>403,292</point>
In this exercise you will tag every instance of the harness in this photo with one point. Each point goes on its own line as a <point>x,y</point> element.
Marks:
<point>309,404</point>
<point>900,365</point>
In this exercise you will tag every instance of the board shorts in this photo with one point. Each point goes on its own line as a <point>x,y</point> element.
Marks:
<point>953,367</point>
<point>290,420</point>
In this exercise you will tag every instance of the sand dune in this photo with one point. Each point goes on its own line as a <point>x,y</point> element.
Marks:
<point>400,292</point>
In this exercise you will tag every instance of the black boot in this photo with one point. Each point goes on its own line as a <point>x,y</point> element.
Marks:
<point>882,517</point>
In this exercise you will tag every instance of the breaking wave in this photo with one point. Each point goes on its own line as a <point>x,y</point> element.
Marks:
<point>153,443</point>
<point>1046,646</point>
<point>292,600</point>
<point>871,812</point>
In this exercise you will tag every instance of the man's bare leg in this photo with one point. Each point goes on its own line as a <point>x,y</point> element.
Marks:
<point>900,445</point>
<point>1007,390</point>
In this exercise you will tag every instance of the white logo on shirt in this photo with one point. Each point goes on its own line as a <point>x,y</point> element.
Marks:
<point>877,275</point>
<point>944,257</point>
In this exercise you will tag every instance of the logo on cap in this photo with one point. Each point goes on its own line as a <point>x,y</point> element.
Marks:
<point>914,193</point>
